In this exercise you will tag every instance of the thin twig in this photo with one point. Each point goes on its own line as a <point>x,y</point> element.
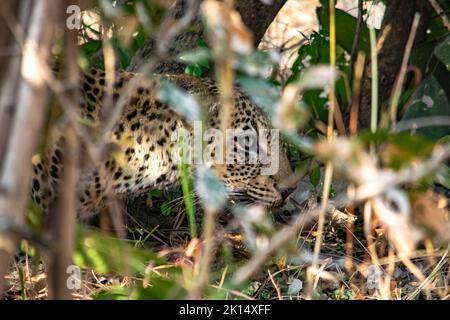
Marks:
<point>62,215</point>
<point>397,90</point>
<point>424,122</point>
<point>374,66</point>
<point>356,39</point>
<point>356,96</point>
<point>329,166</point>
<point>207,254</point>
<point>441,13</point>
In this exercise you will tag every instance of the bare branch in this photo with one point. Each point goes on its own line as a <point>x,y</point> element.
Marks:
<point>62,214</point>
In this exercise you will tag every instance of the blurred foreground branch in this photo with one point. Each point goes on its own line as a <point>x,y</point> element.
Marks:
<point>363,192</point>
<point>62,216</point>
<point>30,109</point>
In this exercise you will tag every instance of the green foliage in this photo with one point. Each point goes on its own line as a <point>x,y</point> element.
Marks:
<point>251,288</point>
<point>105,254</point>
<point>316,52</point>
<point>442,52</point>
<point>343,294</point>
<point>423,53</point>
<point>443,176</point>
<point>166,208</point>
<point>346,26</point>
<point>156,193</point>
<point>398,149</point>
<point>315,176</point>
<point>91,52</point>
<point>194,70</point>
<point>430,100</point>
<point>200,56</point>
<point>431,56</point>
<point>160,289</point>
<point>131,23</point>
<point>148,13</point>
<point>197,60</point>
<point>253,73</point>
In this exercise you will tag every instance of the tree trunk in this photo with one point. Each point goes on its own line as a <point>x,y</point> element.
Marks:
<point>395,29</point>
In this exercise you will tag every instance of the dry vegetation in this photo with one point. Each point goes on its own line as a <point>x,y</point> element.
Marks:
<point>369,219</point>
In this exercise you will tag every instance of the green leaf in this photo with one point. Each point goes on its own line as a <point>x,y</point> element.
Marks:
<point>156,193</point>
<point>422,52</point>
<point>443,176</point>
<point>186,186</point>
<point>315,55</point>
<point>315,51</point>
<point>346,26</point>
<point>442,52</point>
<point>91,47</point>
<point>251,288</point>
<point>194,70</point>
<point>430,100</point>
<point>332,192</point>
<point>159,288</point>
<point>398,149</point>
<point>105,254</point>
<point>124,55</point>
<point>113,293</point>
<point>314,176</point>
<point>166,209</point>
<point>139,39</point>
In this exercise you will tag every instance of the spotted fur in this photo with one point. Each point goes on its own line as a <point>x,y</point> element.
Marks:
<point>144,157</point>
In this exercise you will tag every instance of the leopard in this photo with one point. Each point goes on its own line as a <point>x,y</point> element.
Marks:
<point>146,155</point>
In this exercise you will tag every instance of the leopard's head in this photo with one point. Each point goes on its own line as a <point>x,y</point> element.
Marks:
<point>257,168</point>
<point>268,184</point>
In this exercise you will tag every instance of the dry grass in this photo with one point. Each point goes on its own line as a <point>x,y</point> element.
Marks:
<point>350,253</point>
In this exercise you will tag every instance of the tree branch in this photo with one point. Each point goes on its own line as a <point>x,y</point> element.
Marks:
<point>30,107</point>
